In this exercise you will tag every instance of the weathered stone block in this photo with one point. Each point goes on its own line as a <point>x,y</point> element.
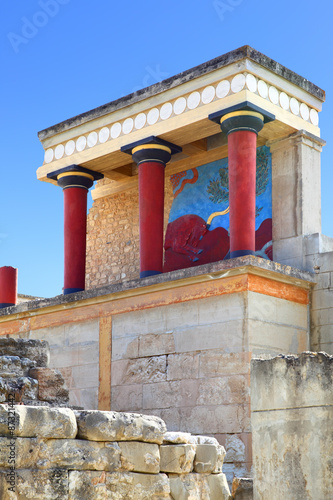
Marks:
<point>183,366</point>
<point>37,421</point>
<point>242,488</point>
<point>36,485</point>
<point>139,371</point>
<point>199,487</point>
<point>22,389</point>
<point>218,487</point>
<point>209,458</point>
<point>134,486</point>
<point>177,459</point>
<point>51,385</point>
<point>111,426</point>
<point>140,457</point>
<point>35,350</point>
<point>79,454</point>
<point>87,484</point>
<point>14,366</point>
<point>21,452</point>
<point>178,438</point>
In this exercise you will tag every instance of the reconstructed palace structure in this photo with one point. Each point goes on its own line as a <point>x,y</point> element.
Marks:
<point>202,250</point>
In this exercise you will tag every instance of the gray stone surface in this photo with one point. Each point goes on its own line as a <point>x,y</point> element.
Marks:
<point>111,426</point>
<point>41,421</point>
<point>292,416</point>
<point>35,350</point>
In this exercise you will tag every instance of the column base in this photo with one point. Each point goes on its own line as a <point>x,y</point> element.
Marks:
<point>145,274</point>
<point>4,304</point>
<point>72,290</point>
<point>240,253</point>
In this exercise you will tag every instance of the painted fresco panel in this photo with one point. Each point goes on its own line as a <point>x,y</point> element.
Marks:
<point>198,226</point>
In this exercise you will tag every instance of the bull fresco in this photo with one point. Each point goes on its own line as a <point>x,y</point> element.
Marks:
<point>198,227</point>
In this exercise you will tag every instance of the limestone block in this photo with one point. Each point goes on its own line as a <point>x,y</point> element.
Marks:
<point>154,344</point>
<point>86,485</point>
<point>139,371</point>
<point>134,486</point>
<point>162,395</point>
<point>276,383</point>
<point>126,398</point>
<point>140,457</point>
<point>111,426</point>
<point>218,487</point>
<point>51,385</point>
<point>177,458</point>
<point>21,452</point>
<point>189,487</point>
<point>242,488</point>
<point>38,421</point>
<point>217,363</point>
<point>79,454</point>
<point>35,350</point>
<point>209,458</point>
<point>235,449</point>
<point>14,366</point>
<point>183,366</point>
<point>33,484</point>
<point>178,438</point>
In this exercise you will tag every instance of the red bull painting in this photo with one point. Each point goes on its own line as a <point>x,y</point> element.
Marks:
<point>198,228</point>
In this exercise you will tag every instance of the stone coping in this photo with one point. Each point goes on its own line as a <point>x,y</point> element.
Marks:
<point>219,62</point>
<point>204,273</point>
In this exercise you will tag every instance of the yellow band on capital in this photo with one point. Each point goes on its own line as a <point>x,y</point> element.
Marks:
<point>242,113</point>
<point>151,146</point>
<point>80,174</point>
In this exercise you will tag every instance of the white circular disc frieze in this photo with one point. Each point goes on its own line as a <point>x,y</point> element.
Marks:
<point>70,148</point>
<point>304,110</point>
<point>238,83</point>
<point>115,130</point>
<point>314,117</point>
<point>166,111</point>
<point>223,89</point>
<point>262,89</point>
<point>251,82</point>
<point>208,94</point>
<point>273,95</point>
<point>92,139</point>
<point>104,134</point>
<point>140,121</point>
<point>128,125</point>
<point>153,116</point>
<point>59,151</point>
<point>179,106</point>
<point>193,100</point>
<point>81,143</point>
<point>48,155</point>
<point>294,106</point>
<point>284,101</point>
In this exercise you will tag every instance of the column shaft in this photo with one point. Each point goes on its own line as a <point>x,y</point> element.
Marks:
<point>75,217</point>
<point>242,191</point>
<point>151,207</point>
<point>8,286</point>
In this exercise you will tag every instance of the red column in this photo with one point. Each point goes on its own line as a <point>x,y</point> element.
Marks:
<point>151,209</point>
<point>75,228</point>
<point>75,182</point>
<point>8,286</point>
<point>151,155</point>
<point>242,128</point>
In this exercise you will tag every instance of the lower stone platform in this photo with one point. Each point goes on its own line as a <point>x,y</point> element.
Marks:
<point>176,345</point>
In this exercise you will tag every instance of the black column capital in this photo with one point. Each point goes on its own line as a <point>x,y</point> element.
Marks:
<point>75,176</point>
<point>242,116</point>
<point>151,149</point>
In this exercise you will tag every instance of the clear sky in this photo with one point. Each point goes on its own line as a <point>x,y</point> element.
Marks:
<point>60,58</point>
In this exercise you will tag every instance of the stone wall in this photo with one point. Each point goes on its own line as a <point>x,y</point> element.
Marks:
<point>113,237</point>
<point>292,415</point>
<point>59,454</point>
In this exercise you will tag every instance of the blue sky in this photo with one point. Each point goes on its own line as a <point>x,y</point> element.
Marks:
<point>60,58</point>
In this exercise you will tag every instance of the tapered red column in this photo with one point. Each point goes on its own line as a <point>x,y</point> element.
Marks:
<point>151,156</point>
<point>8,286</point>
<point>242,123</point>
<point>75,182</point>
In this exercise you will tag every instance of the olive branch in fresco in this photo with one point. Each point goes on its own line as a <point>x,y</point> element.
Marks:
<point>218,189</point>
